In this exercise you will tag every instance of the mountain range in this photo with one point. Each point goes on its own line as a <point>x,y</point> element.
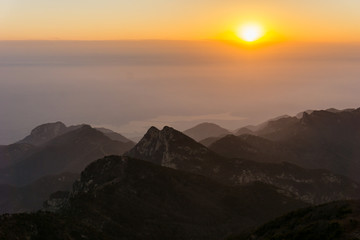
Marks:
<point>50,151</point>
<point>171,148</point>
<point>171,186</point>
<point>328,139</point>
<point>125,198</point>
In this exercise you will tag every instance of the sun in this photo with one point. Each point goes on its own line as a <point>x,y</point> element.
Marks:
<point>250,32</point>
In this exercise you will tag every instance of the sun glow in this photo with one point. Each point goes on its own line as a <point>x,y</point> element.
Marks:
<point>250,32</point>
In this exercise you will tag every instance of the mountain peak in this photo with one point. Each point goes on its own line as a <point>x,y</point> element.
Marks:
<point>45,132</point>
<point>168,147</point>
<point>153,130</point>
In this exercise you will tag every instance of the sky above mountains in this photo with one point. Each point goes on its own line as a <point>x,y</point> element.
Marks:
<point>174,63</point>
<point>321,20</point>
<point>129,86</point>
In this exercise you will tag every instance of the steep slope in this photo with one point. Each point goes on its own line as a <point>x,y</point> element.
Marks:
<point>206,130</point>
<point>31,197</point>
<point>13,153</point>
<point>124,198</point>
<point>322,139</point>
<point>69,152</point>
<point>44,133</point>
<point>113,135</point>
<point>333,221</point>
<point>171,148</point>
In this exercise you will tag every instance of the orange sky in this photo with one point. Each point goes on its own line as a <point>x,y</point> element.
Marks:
<point>321,20</point>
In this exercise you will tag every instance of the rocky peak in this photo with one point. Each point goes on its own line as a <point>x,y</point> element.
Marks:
<point>45,132</point>
<point>100,172</point>
<point>168,147</point>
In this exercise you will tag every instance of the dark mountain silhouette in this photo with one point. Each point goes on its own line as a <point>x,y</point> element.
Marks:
<point>171,148</point>
<point>13,153</point>
<point>253,148</point>
<point>208,141</point>
<point>69,152</point>
<point>322,139</point>
<point>44,133</point>
<point>206,130</point>
<point>332,221</point>
<point>31,197</point>
<point>252,129</point>
<point>124,198</point>
<point>113,135</point>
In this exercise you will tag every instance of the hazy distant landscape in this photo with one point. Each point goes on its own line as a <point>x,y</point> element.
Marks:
<point>179,120</point>
<point>122,84</point>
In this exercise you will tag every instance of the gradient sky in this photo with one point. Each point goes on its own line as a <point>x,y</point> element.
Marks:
<point>306,20</point>
<point>129,86</point>
<point>312,61</point>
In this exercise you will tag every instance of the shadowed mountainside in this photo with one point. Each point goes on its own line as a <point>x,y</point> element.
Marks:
<point>332,221</point>
<point>113,135</point>
<point>171,148</point>
<point>124,198</point>
<point>328,139</point>
<point>321,139</point>
<point>253,148</point>
<point>69,152</point>
<point>31,197</point>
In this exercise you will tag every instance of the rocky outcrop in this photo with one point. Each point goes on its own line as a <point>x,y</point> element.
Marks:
<point>170,148</point>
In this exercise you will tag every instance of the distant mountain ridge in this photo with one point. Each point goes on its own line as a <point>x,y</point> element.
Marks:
<point>327,139</point>
<point>252,147</point>
<point>170,148</point>
<point>44,133</point>
<point>69,151</point>
<point>51,149</point>
<point>114,135</point>
<point>321,139</point>
<point>206,130</point>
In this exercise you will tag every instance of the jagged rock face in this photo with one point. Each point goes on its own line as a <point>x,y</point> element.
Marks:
<point>171,148</point>
<point>125,198</point>
<point>57,201</point>
<point>45,133</point>
<point>311,186</point>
